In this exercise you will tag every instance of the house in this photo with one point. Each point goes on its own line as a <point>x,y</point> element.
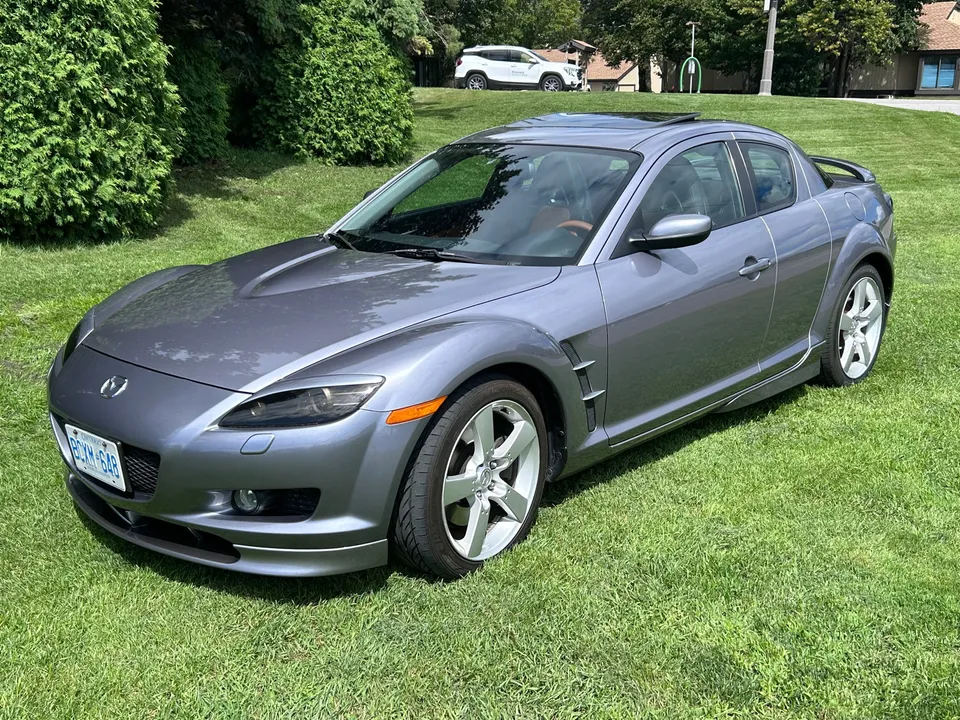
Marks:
<point>599,76</point>
<point>931,71</point>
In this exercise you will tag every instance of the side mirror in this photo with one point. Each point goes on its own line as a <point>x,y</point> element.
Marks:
<point>674,231</point>
<point>368,193</point>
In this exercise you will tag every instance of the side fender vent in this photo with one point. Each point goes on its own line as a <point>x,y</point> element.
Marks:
<point>587,393</point>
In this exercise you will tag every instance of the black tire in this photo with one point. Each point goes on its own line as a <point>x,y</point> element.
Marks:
<point>545,81</point>
<point>419,537</point>
<point>831,368</point>
<point>475,81</point>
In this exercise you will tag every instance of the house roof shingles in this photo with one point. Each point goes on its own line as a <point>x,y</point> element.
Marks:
<point>597,68</point>
<point>943,19</point>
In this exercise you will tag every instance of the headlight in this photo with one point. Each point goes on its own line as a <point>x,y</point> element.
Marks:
<point>570,70</point>
<point>298,408</point>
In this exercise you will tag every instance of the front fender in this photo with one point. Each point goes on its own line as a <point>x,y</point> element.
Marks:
<point>863,241</point>
<point>433,359</point>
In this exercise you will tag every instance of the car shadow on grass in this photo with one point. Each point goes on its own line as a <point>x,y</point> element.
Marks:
<point>663,446</point>
<point>441,111</point>
<point>310,591</point>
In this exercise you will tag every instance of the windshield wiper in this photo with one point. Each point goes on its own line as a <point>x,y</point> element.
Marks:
<point>338,238</point>
<point>440,256</point>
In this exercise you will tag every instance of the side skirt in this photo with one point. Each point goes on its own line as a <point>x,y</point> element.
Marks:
<point>807,368</point>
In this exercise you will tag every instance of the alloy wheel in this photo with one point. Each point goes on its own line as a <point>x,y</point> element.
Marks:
<point>860,327</point>
<point>551,84</point>
<point>490,479</point>
<point>476,82</point>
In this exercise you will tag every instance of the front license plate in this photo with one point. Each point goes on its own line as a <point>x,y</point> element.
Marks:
<point>96,457</point>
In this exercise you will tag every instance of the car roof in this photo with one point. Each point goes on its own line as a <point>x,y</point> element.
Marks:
<point>613,130</point>
<point>475,48</point>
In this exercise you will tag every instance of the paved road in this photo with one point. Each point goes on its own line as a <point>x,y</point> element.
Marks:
<point>931,105</point>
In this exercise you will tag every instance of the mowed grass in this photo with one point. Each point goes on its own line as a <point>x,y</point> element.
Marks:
<point>797,559</point>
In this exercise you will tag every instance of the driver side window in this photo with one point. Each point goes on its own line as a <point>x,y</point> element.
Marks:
<point>698,181</point>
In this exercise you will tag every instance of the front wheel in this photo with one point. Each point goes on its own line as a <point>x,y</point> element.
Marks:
<point>551,83</point>
<point>474,487</point>
<point>855,330</point>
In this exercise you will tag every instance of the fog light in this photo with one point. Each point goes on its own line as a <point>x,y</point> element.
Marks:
<point>247,501</point>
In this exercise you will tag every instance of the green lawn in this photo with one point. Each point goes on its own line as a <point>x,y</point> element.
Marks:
<point>795,559</point>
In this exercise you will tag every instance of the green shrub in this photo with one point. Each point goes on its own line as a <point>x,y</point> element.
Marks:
<point>88,121</point>
<point>339,92</point>
<point>195,70</point>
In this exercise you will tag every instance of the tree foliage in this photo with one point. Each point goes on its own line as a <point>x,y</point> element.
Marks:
<point>631,29</point>
<point>530,23</point>
<point>734,40</point>
<point>338,92</point>
<point>812,35</point>
<point>89,120</point>
<point>195,70</point>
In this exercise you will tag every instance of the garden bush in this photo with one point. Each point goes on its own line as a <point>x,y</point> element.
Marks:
<point>195,70</point>
<point>89,120</point>
<point>339,92</point>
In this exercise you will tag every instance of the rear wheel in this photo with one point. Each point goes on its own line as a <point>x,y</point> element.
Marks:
<point>856,330</point>
<point>473,489</point>
<point>476,81</point>
<point>551,83</point>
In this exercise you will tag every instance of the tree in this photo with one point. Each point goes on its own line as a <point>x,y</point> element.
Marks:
<point>89,120</point>
<point>811,35</point>
<point>530,23</point>
<point>627,30</point>
<point>734,36</point>
<point>849,33</point>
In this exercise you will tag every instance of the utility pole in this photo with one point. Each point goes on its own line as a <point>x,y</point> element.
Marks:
<point>766,78</point>
<point>693,43</point>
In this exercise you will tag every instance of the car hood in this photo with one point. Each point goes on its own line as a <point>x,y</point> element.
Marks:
<point>246,322</point>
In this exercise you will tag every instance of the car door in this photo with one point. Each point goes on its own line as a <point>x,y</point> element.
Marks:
<point>685,326</point>
<point>801,239</point>
<point>498,66</point>
<point>526,69</point>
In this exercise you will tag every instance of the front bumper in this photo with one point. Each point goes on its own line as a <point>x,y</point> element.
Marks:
<point>198,546</point>
<point>356,464</point>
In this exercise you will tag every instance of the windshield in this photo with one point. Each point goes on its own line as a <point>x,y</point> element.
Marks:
<point>536,54</point>
<point>518,204</point>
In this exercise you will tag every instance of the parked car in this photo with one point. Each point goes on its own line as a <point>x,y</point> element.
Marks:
<point>510,310</point>
<point>509,67</point>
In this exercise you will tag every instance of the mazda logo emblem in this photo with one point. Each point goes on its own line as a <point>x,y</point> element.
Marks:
<point>113,387</point>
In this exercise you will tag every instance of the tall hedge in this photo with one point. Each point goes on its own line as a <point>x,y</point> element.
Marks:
<point>195,70</point>
<point>339,92</point>
<point>88,120</point>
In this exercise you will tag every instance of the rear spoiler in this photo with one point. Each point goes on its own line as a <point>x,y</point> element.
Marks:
<point>860,173</point>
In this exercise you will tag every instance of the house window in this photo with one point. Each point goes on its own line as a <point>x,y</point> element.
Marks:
<point>939,72</point>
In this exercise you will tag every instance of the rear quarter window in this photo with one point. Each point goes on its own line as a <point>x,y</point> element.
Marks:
<point>773,176</point>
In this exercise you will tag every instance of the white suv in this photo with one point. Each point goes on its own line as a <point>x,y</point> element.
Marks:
<point>507,66</point>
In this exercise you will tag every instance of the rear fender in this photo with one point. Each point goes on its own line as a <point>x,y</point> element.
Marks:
<point>862,243</point>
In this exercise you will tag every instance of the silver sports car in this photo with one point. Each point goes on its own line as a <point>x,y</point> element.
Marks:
<point>508,311</point>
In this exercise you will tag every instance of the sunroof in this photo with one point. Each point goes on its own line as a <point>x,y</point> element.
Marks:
<point>614,120</point>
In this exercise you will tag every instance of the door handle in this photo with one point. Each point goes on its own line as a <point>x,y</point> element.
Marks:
<point>754,267</point>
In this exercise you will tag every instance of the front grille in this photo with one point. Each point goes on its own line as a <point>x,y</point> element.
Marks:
<point>142,468</point>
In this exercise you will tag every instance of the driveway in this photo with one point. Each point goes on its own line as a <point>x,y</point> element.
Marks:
<point>931,105</point>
